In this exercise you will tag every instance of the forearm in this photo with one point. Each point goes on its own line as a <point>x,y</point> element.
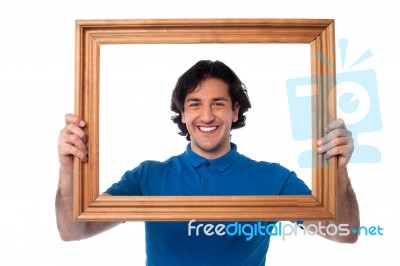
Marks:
<point>338,142</point>
<point>67,227</point>
<point>347,207</point>
<point>347,212</point>
<point>71,144</point>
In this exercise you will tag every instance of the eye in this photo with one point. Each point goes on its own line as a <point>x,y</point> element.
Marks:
<point>219,104</point>
<point>194,104</point>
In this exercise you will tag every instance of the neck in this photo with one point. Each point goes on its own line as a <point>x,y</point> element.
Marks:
<point>210,154</point>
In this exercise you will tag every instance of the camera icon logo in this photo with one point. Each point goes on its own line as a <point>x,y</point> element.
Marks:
<point>357,102</point>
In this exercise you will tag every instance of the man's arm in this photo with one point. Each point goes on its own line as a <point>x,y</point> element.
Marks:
<point>339,142</point>
<point>71,143</point>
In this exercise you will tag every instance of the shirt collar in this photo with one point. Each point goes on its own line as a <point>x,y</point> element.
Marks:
<point>220,163</point>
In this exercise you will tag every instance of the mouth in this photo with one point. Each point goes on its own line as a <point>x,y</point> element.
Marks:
<point>207,129</point>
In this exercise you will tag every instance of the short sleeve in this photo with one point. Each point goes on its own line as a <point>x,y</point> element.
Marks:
<point>129,184</point>
<point>294,186</point>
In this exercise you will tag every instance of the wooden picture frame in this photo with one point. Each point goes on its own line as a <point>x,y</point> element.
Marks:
<point>92,34</point>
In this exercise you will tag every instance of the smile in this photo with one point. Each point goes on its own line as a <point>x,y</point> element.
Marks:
<point>207,129</point>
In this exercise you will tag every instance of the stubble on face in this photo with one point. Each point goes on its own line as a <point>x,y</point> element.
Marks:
<point>208,115</point>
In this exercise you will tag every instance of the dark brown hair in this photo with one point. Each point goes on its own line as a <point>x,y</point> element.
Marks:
<point>203,70</point>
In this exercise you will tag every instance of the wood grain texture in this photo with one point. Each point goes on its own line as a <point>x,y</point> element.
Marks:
<point>92,34</point>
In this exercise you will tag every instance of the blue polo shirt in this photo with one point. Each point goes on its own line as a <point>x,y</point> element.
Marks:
<point>169,243</point>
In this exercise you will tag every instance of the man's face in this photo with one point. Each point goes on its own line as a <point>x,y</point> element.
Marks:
<point>208,115</point>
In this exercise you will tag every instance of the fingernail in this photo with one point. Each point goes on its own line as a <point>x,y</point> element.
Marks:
<point>82,123</point>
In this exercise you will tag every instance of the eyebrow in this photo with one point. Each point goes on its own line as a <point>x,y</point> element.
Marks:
<point>216,99</point>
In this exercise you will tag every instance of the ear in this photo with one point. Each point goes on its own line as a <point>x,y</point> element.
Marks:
<point>183,118</point>
<point>236,109</point>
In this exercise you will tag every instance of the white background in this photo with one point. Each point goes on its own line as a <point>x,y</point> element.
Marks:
<point>136,82</point>
<point>36,90</point>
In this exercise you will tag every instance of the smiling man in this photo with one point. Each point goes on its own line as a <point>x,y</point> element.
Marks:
<point>208,114</point>
<point>209,100</point>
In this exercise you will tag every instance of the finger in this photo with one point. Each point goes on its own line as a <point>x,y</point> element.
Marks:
<point>72,129</point>
<point>67,150</point>
<point>71,118</point>
<point>337,133</point>
<point>74,136</point>
<point>334,143</point>
<point>342,147</point>
<point>336,124</point>
<point>344,151</point>
<point>75,141</point>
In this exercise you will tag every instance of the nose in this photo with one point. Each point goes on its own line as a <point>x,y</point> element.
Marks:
<point>207,114</point>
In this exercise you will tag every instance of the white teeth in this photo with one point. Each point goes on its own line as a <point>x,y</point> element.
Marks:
<point>207,129</point>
